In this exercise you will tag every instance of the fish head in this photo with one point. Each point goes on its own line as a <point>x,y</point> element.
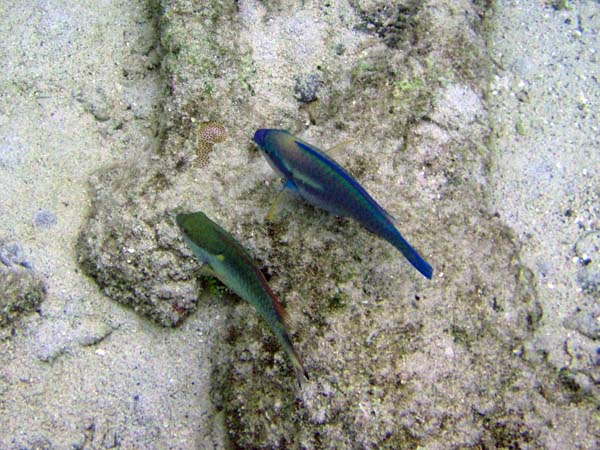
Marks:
<point>278,147</point>
<point>260,136</point>
<point>201,234</point>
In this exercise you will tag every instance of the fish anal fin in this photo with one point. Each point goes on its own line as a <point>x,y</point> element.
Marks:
<point>206,270</point>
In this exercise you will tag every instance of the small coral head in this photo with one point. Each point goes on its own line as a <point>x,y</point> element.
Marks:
<point>212,132</point>
<point>209,133</point>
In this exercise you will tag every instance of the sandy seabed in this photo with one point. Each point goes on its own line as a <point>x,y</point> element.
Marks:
<point>79,92</point>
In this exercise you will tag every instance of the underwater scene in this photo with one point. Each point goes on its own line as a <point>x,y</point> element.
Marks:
<point>300,224</point>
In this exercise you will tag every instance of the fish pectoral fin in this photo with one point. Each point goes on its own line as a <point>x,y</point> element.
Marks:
<point>288,188</point>
<point>206,270</point>
<point>337,147</point>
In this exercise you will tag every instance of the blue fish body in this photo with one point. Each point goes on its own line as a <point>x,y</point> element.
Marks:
<point>324,183</point>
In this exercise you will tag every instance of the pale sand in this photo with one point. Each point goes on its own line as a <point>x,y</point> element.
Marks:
<point>63,95</point>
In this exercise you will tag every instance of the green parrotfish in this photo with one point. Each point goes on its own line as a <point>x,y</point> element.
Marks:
<point>321,181</point>
<point>225,258</point>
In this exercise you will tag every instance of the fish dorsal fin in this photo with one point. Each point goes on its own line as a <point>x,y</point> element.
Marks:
<point>285,316</point>
<point>337,147</point>
<point>281,311</point>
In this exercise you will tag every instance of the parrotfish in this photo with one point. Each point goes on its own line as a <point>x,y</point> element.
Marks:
<point>226,259</point>
<point>321,181</point>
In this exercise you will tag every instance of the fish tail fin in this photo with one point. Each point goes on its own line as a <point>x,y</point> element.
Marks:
<point>412,255</point>
<point>301,373</point>
<point>286,320</point>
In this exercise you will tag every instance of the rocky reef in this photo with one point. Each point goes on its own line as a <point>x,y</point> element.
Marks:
<point>23,290</point>
<point>395,361</point>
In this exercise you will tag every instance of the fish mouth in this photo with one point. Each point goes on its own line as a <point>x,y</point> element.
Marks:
<point>259,136</point>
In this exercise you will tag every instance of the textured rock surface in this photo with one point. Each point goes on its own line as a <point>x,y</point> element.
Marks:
<point>127,246</point>
<point>78,92</point>
<point>395,361</point>
<point>22,290</point>
<point>131,246</point>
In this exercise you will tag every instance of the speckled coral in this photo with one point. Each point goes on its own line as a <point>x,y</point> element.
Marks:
<point>212,132</point>
<point>209,133</point>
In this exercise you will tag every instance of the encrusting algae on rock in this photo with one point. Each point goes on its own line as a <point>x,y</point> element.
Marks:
<point>209,133</point>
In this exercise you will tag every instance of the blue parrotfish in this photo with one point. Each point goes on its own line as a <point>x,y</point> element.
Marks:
<point>321,181</point>
<point>225,258</point>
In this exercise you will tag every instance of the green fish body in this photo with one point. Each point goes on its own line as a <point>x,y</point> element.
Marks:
<point>234,267</point>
